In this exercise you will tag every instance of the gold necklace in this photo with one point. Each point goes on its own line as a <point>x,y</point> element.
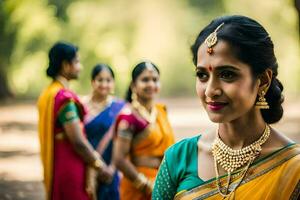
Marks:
<point>228,193</point>
<point>149,116</point>
<point>96,107</point>
<point>231,159</point>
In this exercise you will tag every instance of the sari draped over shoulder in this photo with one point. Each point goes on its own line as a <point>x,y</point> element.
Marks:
<point>61,163</point>
<point>147,140</point>
<point>276,176</point>
<point>99,131</point>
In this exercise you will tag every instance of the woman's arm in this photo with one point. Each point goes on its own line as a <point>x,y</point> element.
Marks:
<point>164,188</point>
<point>121,151</point>
<point>69,117</point>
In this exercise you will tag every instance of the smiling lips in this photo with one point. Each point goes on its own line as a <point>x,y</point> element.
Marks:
<point>215,106</point>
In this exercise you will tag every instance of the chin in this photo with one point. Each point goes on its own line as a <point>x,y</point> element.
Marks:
<point>217,118</point>
<point>74,78</point>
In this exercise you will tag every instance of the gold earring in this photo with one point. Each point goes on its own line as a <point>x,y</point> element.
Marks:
<point>262,103</point>
<point>133,96</point>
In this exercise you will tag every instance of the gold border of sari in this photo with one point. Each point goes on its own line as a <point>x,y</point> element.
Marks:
<point>257,169</point>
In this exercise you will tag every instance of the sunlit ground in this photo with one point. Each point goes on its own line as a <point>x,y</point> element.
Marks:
<point>20,167</point>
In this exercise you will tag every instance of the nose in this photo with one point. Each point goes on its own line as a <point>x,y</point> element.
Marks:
<point>213,88</point>
<point>79,66</point>
<point>151,83</point>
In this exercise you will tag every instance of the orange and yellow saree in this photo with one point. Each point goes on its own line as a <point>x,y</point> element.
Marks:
<point>147,141</point>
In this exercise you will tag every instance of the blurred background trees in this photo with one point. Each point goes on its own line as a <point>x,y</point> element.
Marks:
<point>121,33</point>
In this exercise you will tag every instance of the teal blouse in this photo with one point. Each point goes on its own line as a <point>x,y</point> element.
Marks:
<point>178,170</point>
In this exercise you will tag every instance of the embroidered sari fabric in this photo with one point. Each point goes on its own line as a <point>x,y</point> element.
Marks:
<point>64,170</point>
<point>146,140</point>
<point>276,176</point>
<point>99,131</point>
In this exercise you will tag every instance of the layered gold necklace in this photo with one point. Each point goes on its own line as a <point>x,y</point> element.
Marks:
<point>149,116</point>
<point>231,159</point>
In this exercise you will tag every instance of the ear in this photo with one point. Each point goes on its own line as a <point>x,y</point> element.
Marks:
<point>132,87</point>
<point>64,67</point>
<point>265,80</point>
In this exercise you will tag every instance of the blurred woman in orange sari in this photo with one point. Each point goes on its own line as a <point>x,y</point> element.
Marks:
<point>143,133</point>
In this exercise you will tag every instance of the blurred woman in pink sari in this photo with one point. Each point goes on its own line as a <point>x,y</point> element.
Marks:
<point>65,152</point>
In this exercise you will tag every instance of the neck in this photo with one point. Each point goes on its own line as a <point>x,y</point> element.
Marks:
<point>242,132</point>
<point>63,80</point>
<point>98,98</point>
<point>148,104</point>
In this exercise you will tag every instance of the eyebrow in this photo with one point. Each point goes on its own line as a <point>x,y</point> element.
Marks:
<point>219,68</point>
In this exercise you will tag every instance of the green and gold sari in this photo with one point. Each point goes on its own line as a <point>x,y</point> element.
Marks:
<point>276,176</point>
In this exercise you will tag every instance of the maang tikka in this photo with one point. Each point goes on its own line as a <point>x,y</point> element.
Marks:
<point>212,39</point>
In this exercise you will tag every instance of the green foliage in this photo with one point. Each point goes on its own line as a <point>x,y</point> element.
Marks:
<point>122,33</point>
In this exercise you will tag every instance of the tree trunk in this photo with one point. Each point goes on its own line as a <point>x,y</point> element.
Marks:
<point>7,42</point>
<point>4,89</point>
<point>297,5</point>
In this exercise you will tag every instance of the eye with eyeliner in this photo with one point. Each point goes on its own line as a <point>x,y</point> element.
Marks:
<point>202,75</point>
<point>228,75</point>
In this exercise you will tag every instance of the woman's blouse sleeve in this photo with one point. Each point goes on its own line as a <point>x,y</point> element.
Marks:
<point>164,187</point>
<point>68,113</point>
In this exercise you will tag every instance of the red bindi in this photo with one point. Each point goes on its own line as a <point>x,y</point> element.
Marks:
<point>210,68</point>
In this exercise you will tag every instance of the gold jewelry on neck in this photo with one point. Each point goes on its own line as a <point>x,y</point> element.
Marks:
<point>149,116</point>
<point>212,39</point>
<point>231,159</point>
<point>96,107</point>
<point>226,192</point>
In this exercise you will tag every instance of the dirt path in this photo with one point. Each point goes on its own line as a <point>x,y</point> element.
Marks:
<point>20,167</point>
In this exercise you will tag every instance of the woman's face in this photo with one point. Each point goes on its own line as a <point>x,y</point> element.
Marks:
<point>147,84</point>
<point>104,83</point>
<point>224,84</point>
<point>73,68</point>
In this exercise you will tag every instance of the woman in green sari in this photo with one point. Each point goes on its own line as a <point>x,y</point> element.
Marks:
<point>245,158</point>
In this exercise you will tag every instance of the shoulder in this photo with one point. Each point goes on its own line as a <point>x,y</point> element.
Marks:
<point>117,104</point>
<point>126,111</point>
<point>65,95</point>
<point>179,156</point>
<point>125,117</point>
<point>182,148</point>
<point>118,100</point>
<point>275,142</point>
<point>86,99</point>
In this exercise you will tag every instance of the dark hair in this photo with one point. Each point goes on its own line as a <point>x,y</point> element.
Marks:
<point>58,53</point>
<point>136,72</point>
<point>99,68</point>
<point>251,44</point>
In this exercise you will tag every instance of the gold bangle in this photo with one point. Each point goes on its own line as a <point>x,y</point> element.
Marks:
<point>141,181</point>
<point>98,163</point>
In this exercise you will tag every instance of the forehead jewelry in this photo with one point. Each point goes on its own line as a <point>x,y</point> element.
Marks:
<point>212,39</point>
<point>149,66</point>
